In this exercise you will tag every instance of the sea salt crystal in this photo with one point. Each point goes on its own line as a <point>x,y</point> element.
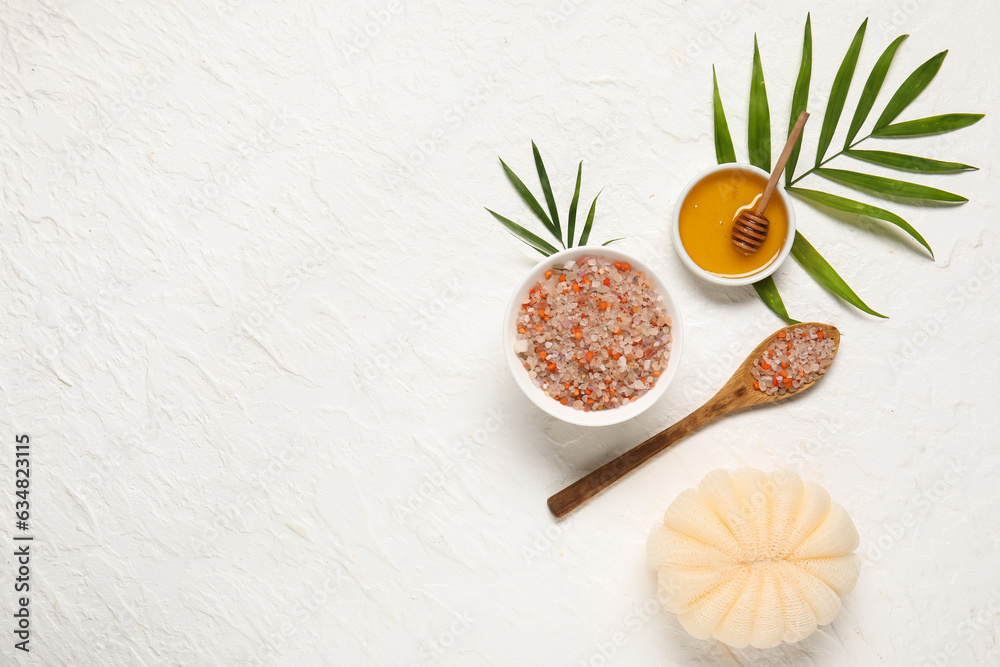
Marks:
<point>810,355</point>
<point>631,307</point>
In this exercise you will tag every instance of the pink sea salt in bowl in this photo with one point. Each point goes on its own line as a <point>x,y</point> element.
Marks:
<point>657,336</point>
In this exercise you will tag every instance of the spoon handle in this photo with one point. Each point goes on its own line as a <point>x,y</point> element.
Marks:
<point>779,166</point>
<point>583,489</point>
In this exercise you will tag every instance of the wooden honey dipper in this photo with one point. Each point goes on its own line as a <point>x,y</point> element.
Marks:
<point>750,225</point>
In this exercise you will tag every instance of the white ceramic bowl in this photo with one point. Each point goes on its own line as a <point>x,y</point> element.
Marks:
<point>675,229</point>
<point>565,412</point>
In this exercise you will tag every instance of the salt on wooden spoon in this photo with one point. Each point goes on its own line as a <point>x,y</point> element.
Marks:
<point>741,391</point>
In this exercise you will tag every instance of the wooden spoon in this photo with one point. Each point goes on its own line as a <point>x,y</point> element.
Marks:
<point>750,226</point>
<point>736,394</point>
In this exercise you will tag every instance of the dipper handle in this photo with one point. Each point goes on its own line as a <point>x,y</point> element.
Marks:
<point>779,166</point>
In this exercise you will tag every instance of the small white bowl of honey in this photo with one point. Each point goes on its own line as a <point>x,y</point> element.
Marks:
<point>703,223</point>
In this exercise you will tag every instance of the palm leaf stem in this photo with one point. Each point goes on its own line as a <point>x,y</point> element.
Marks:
<point>837,154</point>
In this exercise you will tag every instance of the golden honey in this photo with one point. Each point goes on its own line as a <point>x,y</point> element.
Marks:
<point>706,223</point>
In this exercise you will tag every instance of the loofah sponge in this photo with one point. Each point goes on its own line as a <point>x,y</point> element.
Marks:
<point>754,559</point>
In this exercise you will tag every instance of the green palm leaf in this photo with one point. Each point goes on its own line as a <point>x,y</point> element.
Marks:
<point>571,223</point>
<point>724,151</point>
<point>800,100</point>
<point>768,293</point>
<point>838,94</point>
<point>859,208</point>
<point>536,242</point>
<point>913,86</point>
<point>922,127</point>
<point>585,235</point>
<point>547,191</point>
<point>872,88</point>
<point>529,199</point>
<point>759,118</point>
<point>821,271</point>
<point>923,165</point>
<point>758,136</point>
<point>889,187</point>
<point>530,238</point>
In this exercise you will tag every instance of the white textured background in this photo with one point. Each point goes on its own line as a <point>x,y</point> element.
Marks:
<point>251,308</point>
